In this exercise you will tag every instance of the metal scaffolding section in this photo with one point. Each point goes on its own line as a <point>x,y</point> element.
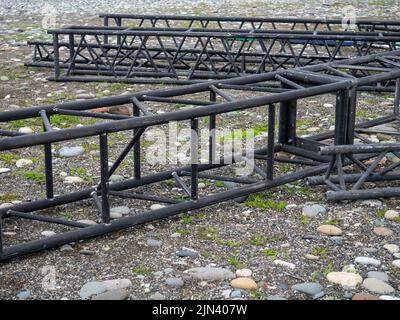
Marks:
<point>216,22</point>
<point>269,91</point>
<point>184,56</point>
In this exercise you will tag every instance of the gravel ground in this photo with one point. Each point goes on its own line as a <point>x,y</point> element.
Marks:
<point>269,236</point>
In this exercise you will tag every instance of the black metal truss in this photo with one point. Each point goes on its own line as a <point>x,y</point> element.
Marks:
<point>330,78</point>
<point>180,56</point>
<point>215,22</point>
<point>370,170</point>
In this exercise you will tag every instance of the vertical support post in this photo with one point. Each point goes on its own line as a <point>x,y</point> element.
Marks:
<point>48,165</point>
<point>212,133</point>
<point>194,146</point>
<point>105,19</point>
<point>105,206</point>
<point>56,55</point>
<point>352,108</point>
<point>119,24</point>
<point>397,98</point>
<point>271,142</point>
<point>136,148</point>
<point>287,121</point>
<point>72,51</point>
<point>342,98</point>
<point>1,235</point>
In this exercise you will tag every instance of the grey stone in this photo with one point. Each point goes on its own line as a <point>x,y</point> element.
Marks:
<point>236,294</point>
<point>377,286</point>
<point>309,288</point>
<point>66,247</point>
<point>117,294</point>
<point>68,152</point>
<point>367,261</point>
<point>174,282</point>
<point>336,240</point>
<point>115,284</point>
<point>282,285</point>
<point>116,178</point>
<point>92,288</point>
<point>23,295</point>
<point>311,211</point>
<point>378,275</point>
<point>168,270</point>
<point>274,297</point>
<point>348,295</point>
<point>86,252</point>
<point>157,296</point>
<point>210,273</point>
<point>154,243</point>
<point>187,253</point>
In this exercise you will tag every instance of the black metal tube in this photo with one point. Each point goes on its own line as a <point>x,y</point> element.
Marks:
<point>349,178</point>
<point>271,142</point>
<point>194,156</point>
<point>56,55</point>
<point>105,206</point>
<point>136,146</point>
<point>363,194</point>
<point>36,217</point>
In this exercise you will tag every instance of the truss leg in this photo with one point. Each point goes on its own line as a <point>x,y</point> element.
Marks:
<point>105,206</point>
<point>194,149</point>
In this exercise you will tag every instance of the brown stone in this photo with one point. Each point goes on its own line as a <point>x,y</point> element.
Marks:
<point>123,110</point>
<point>244,283</point>
<point>364,296</point>
<point>100,110</point>
<point>329,230</point>
<point>382,231</point>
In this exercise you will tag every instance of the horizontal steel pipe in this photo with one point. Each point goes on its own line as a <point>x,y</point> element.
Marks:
<point>363,194</point>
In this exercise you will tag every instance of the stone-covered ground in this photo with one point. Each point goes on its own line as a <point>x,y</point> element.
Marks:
<point>277,244</point>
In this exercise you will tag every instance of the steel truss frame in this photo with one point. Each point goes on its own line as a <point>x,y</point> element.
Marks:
<point>330,78</point>
<point>181,56</point>
<point>168,21</point>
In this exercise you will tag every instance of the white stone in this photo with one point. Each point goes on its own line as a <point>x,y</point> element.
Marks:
<point>391,215</point>
<point>5,170</point>
<point>385,297</point>
<point>21,163</point>
<point>392,248</point>
<point>25,130</point>
<point>157,206</point>
<point>73,180</point>
<point>327,105</point>
<point>86,221</point>
<point>123,210</point>
<point>396,263</point>
<point>47,233</point>
<point>345,279</point>
<point>115,215</point>
<point>285,264</point>
<point>245,273</point>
